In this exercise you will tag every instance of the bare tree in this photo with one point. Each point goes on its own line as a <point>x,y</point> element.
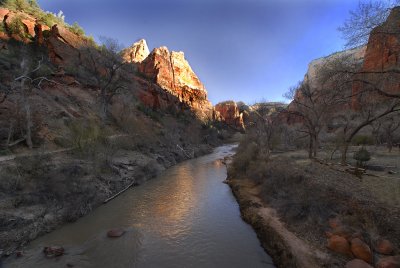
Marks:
<point>105,66</point>
<point>263,127</point>
<point>389,126</point>
<point>368,15</point>
<point>351,122</point>
<point>313,106</point>
<point>28,69</point>
<point>369,18</point>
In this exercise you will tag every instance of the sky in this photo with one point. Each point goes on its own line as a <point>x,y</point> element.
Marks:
<point>242,50</point>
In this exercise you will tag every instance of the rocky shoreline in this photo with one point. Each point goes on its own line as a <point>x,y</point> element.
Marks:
<point>285,248</point>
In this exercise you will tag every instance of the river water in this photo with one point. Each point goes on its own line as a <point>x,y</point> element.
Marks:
<point>184,218</point>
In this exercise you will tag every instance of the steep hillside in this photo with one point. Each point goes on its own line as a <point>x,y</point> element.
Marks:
<point>80,122</point>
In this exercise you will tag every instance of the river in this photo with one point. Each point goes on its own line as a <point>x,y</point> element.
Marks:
<point>186,217</point>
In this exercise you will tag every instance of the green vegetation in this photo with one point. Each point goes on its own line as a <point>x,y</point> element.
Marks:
<point>28,6</point>
<point>76,29</point>
<point>363,140</point>
<point>49,19</point>
<point>362,156</point>
<point>2,27</point>
<point>17,27</point>
<point>84,134</point>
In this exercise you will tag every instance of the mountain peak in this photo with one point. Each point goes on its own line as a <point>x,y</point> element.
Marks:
<point>137,52</point>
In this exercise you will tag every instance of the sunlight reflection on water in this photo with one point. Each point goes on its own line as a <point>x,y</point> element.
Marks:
<point>185,218</point>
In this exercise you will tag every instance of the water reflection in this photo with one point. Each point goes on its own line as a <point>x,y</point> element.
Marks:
<point>185,218</point>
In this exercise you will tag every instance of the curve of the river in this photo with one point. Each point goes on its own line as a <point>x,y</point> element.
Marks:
<point>184,218</point>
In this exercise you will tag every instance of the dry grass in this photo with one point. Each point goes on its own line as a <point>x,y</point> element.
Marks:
<point>306,194</point>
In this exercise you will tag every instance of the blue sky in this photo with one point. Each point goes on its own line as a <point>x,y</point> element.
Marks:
<point>241,49</point>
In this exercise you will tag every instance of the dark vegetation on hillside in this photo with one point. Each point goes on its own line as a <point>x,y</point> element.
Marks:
<point>71,136</point>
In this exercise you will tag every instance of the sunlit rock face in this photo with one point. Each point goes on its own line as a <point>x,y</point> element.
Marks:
<point>67,48</point>
<point>382,56</point>
<point>136,53</point>
<point>355,55</point>
<point>230,114</point>
<point>172,72</point>
<point>30,25</point>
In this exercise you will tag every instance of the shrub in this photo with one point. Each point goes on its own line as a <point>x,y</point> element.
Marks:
<point>2,27</point>
<point>84,134</point>
<point>48,19</point>
<point>246,153</point>
<point>28,6</point>
<point>76,29</point>
<point>18,5</point>
<point>91,41</point>
<point>35,167</point>
<point>363,140</point>
<point>362,156</point>
<point>17,27</point>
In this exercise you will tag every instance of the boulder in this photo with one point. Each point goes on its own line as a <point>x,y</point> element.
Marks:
<point>339,244</point>
<point>384,246</point>
<point>389,262</point>
<point>334,222</point>
<point>115,232</point>
<point>361,250</point>
<point>53,251</point>
<point>357,263</point>
<point>343,231</point>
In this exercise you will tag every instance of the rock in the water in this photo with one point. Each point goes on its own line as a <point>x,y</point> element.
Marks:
<point>361,250</point>
<point>115,232</point>
<point>389,262</point>
<point>384,246</point>
<point>357,263</point>
<point>53,251</point>
<point>339,244</point>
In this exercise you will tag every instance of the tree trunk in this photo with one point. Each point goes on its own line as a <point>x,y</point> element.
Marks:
<point>344,153</point>
<point>315,146</point>
<point>310,147</point>
<point>10,134</point>
<point>390,145</point>
<point>28,116</point>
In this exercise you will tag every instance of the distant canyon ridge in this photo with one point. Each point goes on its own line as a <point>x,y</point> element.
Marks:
<point>173,83</point>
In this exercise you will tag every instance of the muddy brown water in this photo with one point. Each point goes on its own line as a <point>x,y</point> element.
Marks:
<point>184,218</point>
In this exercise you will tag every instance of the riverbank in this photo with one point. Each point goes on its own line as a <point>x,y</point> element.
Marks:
<point>186,217</point>
<point>285,248</point>
<point>51,190</point>
<point>307,214</point>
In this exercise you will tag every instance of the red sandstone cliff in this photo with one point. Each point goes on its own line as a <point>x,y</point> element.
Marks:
<point>228,112</point>
<point>172,72</point>
<point>381,61</point>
